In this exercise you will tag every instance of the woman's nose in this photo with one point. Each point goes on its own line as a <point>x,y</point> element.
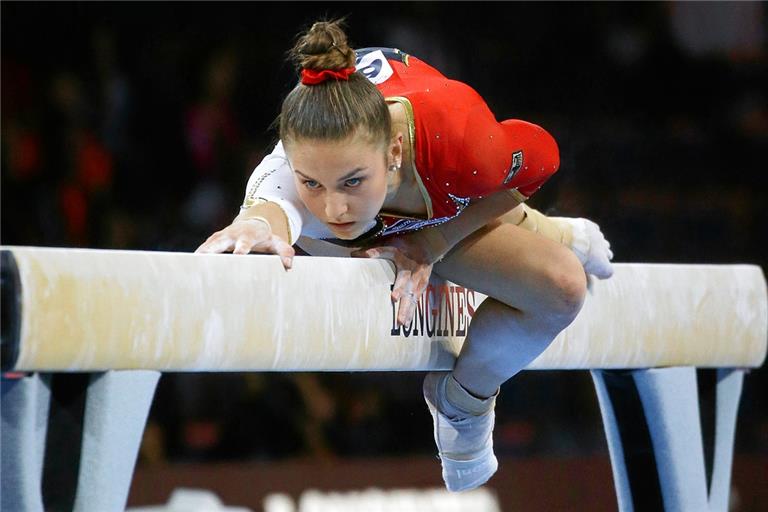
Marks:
<point>335,206</point>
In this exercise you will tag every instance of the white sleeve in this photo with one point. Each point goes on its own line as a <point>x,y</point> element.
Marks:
<point>273,180</point>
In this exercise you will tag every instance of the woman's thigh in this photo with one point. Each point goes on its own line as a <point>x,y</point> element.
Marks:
<point>521,269</point>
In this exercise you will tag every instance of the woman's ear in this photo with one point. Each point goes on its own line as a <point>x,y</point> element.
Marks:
<point>396,149</point>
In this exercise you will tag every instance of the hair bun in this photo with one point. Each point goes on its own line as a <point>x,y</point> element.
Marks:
<point>323,46</point>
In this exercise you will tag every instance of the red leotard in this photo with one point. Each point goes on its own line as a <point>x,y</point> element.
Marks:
<point>460,151</point>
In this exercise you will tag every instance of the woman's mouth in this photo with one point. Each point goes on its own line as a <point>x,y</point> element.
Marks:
<point>341,225</point>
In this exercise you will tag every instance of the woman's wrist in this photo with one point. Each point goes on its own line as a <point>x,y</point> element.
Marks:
<point>258,219</point>
<point>435,243</point>
<point>271,214</point>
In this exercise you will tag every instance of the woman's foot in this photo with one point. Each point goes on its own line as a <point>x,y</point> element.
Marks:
<point>463,432</point>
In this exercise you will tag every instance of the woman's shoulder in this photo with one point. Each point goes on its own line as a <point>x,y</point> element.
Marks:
<point>391,67</point>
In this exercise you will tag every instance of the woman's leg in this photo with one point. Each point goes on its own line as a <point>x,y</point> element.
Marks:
<point>535,288</point>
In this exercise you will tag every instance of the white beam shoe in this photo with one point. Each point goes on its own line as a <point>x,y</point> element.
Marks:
<point>464,440</point>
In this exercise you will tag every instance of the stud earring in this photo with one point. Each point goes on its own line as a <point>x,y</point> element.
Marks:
<point>394,168</point>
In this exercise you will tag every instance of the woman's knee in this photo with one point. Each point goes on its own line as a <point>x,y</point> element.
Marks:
<point>568,288</point>
<point>539,278</point>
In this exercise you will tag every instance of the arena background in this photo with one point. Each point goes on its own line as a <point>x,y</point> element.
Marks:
<point>136,126</point>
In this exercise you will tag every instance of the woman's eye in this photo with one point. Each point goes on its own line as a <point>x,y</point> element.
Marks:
<point>353,182</point>
<point>311,184</point>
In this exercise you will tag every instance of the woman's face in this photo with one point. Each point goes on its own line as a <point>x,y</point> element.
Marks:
<point>343,183</point>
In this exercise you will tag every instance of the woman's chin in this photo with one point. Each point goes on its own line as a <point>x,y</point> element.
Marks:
<point>355,230</point>
<point>346,235</point>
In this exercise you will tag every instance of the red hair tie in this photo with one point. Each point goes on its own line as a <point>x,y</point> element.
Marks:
<point>318,76</point>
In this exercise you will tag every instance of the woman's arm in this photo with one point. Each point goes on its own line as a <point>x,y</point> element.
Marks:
<point>270,219</point>
<point>271,193</point>
<point>441,238</point>
<point>272,213</point>
<point>414,253</point>
<point>580,235</point>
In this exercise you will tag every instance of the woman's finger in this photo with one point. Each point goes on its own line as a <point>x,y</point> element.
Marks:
<point>274,245</point>
<point>406,307</point>
<point>417,285</point>
<point>284,250</point>
<point>402,284</point>
<point>402,267</point>
<point>208,241</point>
<point>410,279</point>
<point>243,245</point>
<point>217,245</point>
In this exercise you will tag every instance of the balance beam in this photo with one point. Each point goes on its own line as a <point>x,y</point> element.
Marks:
<point>92,310</point>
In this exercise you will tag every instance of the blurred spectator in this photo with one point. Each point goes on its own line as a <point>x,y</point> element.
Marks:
<point>214,142</point>
<point>733,30</point>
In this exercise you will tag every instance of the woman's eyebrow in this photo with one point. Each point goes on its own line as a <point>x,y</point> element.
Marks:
<point>351,173</point>
<point>345,177</point>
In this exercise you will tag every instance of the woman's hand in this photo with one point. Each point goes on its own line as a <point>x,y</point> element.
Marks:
<point>600,253</point>
<point>413,256</point>
<point>249,235</point>
<point>591,246</point>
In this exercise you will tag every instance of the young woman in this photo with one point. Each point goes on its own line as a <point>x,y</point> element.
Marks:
<point>382,156</point>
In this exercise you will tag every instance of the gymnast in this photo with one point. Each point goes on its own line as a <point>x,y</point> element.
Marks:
<point>384,157</point>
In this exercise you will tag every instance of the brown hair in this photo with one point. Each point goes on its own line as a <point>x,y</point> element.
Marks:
<point>334,109</point>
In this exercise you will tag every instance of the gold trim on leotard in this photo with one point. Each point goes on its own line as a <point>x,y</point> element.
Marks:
<point>404,56</point>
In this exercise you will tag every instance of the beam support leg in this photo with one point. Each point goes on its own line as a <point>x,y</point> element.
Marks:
<point>116,413</point>
<point>25,403</point>
<point>70,442</point>
<point>727,398</point>
<point>652,424</point>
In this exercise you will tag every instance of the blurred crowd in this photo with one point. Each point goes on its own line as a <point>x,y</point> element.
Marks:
<point>136,126</point>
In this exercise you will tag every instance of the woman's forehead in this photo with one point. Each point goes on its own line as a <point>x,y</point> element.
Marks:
<point>333,156</point>
<point>357,139</point>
